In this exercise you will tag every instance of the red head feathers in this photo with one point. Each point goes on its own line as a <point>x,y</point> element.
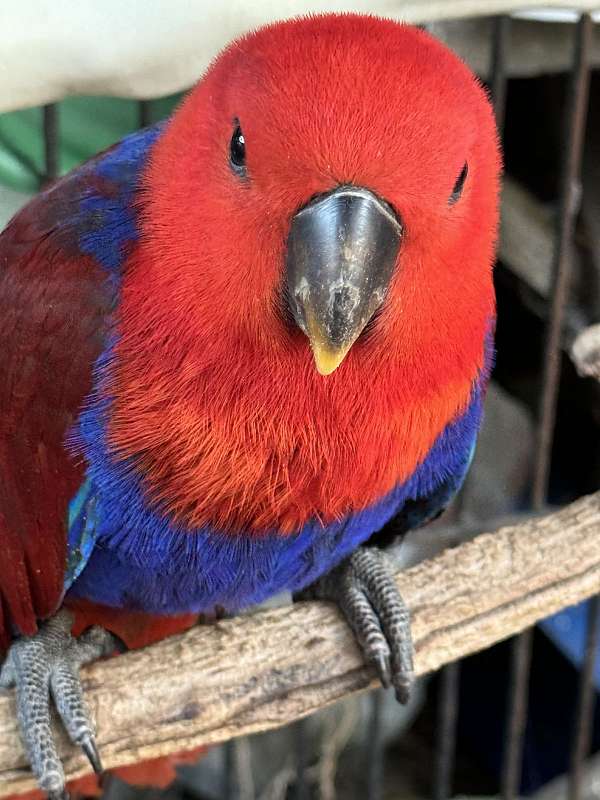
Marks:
<point>216,391</point>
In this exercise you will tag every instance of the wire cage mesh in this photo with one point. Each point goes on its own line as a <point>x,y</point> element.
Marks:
<point>300,777</point>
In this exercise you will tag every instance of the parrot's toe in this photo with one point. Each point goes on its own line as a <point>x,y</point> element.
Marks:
<point>47,665</point>
<point>366,592</point>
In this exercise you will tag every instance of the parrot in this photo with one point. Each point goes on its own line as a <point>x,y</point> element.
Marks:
<point>244,349</point>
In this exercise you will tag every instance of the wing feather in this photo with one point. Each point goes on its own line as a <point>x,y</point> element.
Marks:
<point>55,306</point>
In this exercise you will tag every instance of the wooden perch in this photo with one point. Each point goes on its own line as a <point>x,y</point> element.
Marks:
<point>261,671</point>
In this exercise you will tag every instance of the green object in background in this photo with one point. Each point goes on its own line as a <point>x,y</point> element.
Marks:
<point>86,125</point>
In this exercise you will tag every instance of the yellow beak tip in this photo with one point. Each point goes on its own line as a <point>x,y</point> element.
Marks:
<point>327,361</point>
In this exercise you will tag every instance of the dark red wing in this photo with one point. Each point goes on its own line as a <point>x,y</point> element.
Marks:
<point>54,303</point>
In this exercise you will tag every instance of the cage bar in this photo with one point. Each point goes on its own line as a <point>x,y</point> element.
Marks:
<point>518,695</point>
<point>449,678</point>
<point>447,700</point>
<point>585,702</point>
<point>302,760</point>
<point>499,58</point>
<point>144,113</point>
<point>570,195</point>
<point>374,751</point>
<point>229,782</point>
<point>570,192</point>
<point>445,746</point>
<point>50,129</point>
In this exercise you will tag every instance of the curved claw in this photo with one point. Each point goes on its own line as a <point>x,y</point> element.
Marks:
<point>382,665</point>
<point>93,756</point>
<point>366,593</point>
<point>47,665</point>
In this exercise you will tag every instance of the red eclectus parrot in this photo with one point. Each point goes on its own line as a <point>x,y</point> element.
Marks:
<point>238,349</point>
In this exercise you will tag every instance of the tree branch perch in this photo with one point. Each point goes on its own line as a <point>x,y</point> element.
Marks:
<point>257,672</point>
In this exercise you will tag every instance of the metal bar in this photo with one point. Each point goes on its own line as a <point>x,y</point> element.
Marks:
<point>568,206</point>
<point>449,679</point>
<point>518,695</point>
<point>50,125</point>
<point>445,746</point>
<point>301,789</point>
<point>374,749</point>
<point>499,56</point>
<point>585,702</point>
<point>447,698</point>
<point>229,777</point>
<point>144,113</point>
<point>570,193</point>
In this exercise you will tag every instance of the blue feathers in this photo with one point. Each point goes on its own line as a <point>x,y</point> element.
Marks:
<point>106,218</point>
<point>142,561</point>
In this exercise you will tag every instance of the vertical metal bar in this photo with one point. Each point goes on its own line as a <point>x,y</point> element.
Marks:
<point>445,747</point>
<point>568,205</point>
<point>585,701</point>
<point>302,760</point>
<point>50,126</point>
<point>237,781</point>
<point>374,749</point>
<point>570,194</point>
<point>144,113</point>
<point>499,56</point>
<point>448,699</point>
<point>518,694</point>
<point>229,772</point>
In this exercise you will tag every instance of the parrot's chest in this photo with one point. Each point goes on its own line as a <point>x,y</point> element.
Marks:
<point>196,572</point>
<point>124,553</point>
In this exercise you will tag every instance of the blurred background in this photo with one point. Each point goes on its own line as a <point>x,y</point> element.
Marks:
<point>77,76</point>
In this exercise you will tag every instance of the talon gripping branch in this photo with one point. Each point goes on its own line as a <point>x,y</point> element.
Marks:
<point>236,346</point>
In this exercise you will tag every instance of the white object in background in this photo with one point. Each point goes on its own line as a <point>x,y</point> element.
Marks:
<point>585,352</point>
<point>554,14</point>
<point>50,49</point>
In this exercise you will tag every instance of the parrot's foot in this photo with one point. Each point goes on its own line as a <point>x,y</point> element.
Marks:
<point>48,664</point>
<point>366,592</point>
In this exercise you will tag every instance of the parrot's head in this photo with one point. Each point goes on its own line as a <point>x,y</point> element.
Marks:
<point>308,302</point>
<point>331,180</point>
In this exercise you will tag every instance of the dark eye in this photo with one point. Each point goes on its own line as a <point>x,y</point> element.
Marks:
<point>237,151</point>
<point>458,186</point>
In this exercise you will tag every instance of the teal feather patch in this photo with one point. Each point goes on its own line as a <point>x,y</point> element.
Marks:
<point>82,533</point>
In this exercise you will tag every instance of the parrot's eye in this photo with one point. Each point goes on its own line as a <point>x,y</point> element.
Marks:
<point>458,186</point>
<point>237,151</point>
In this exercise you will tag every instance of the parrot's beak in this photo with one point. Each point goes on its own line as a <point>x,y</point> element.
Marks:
<point>342,249</point>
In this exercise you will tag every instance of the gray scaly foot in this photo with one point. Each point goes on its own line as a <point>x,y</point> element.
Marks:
<point>364,588</point>
<point>45,665</point>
